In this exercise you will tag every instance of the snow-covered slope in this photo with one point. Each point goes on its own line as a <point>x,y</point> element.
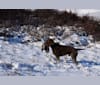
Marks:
<point>90,12</point>
<point>28,59</point>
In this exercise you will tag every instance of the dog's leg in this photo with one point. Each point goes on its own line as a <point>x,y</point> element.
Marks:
<point>74,55</point>
<point>58,58</point>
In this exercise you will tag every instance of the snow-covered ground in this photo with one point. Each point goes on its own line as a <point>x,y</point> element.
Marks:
<point>28,59</point>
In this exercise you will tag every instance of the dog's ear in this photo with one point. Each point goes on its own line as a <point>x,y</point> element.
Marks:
<point>43,47</point>
<point>46,49</point>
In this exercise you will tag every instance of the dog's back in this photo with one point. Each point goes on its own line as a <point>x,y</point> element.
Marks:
<point>61,50</point>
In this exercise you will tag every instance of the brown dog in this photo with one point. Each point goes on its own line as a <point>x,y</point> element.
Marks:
<point>60,50</point>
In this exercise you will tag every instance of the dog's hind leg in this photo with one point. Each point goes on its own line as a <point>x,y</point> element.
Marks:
<point>74,57</point>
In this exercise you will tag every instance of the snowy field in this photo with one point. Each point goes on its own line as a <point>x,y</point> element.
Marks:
<point>18,59</point>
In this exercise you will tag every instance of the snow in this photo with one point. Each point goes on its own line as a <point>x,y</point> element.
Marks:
<point>28,60</point>
<point>82,12</point>
<point>88,12</point>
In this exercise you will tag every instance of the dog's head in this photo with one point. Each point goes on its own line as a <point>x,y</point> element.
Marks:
<point>47,44</point>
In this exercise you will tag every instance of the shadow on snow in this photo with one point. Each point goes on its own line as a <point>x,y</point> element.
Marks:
<point>89,63</point>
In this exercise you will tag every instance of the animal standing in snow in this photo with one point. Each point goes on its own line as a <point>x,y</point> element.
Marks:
<point>61,50</point>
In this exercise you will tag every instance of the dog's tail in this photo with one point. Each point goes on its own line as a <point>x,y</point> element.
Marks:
<point>79,49</point>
